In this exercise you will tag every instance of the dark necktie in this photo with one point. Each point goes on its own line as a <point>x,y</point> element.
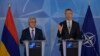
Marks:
<point>31,44</point>
<point>33,35</point>
<point>69,27</point>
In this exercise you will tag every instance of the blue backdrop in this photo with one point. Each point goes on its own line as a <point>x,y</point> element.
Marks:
<point>48,13</point>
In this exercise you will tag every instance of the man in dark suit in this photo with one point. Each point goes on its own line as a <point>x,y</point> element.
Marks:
<point>32,32</point>
<point>68,29</point>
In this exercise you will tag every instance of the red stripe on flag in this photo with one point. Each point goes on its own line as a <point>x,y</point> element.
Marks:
<point>10,25</point>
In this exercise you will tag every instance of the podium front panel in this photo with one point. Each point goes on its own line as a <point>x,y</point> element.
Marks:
<point>35,49</point>
<point>71,47</point>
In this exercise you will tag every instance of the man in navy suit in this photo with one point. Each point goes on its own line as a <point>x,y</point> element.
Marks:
<point>32,32</point>
<point>68,29</point>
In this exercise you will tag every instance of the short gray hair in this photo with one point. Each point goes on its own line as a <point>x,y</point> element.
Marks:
<point>31,18</point>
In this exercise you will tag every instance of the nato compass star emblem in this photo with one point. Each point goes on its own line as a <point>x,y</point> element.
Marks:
<point>89,39</point>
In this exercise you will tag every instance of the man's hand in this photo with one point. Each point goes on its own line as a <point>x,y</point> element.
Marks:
<point>71,39</point>
<point>60,27</point>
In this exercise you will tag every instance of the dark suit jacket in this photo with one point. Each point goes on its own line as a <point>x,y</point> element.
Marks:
<point>75,31</point>
<point>26,35</point>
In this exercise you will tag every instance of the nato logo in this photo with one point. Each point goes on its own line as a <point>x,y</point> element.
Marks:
<point>89,39</point>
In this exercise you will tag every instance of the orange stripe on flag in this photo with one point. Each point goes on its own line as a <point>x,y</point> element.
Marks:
<point>3,50</point>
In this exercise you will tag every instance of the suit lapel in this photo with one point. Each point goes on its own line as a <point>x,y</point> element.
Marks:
<point>66,27</point>
<point>35,32</point>
<point>29,33</point>
<point>71,27</point>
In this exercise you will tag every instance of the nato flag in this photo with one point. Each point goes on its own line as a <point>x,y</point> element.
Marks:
<point>90,42</point>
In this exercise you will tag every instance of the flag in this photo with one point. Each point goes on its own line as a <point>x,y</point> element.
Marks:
<point>9,40</point>
<point>3,50</point>
<point>90,45</point>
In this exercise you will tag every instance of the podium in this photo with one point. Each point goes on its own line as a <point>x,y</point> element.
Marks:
<point>72,47</point>
<point>34,48</point>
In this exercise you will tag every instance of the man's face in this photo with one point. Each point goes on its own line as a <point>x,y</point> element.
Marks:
<point>32,23</point>
<point>69,15</point>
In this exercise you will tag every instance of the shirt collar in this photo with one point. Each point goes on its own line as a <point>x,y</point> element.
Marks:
<point>68,20</point>
<point>32,28</point>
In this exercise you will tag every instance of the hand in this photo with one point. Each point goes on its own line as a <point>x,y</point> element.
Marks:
<point>60,27</point>
<point>71,39</point>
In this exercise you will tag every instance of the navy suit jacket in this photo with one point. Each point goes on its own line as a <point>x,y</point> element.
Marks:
<point>26,35</point>
<point>75,31</point>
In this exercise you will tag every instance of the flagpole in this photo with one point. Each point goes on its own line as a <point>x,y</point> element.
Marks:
<point>89,2</point>
<point>96,52</point>
<point>8,3</point>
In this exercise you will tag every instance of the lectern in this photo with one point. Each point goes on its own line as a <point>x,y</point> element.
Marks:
<point>72,47</point>
<point>34,48</point>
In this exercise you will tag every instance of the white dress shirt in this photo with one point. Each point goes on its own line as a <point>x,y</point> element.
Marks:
<point>30,29</point>
<point>69,25</point>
